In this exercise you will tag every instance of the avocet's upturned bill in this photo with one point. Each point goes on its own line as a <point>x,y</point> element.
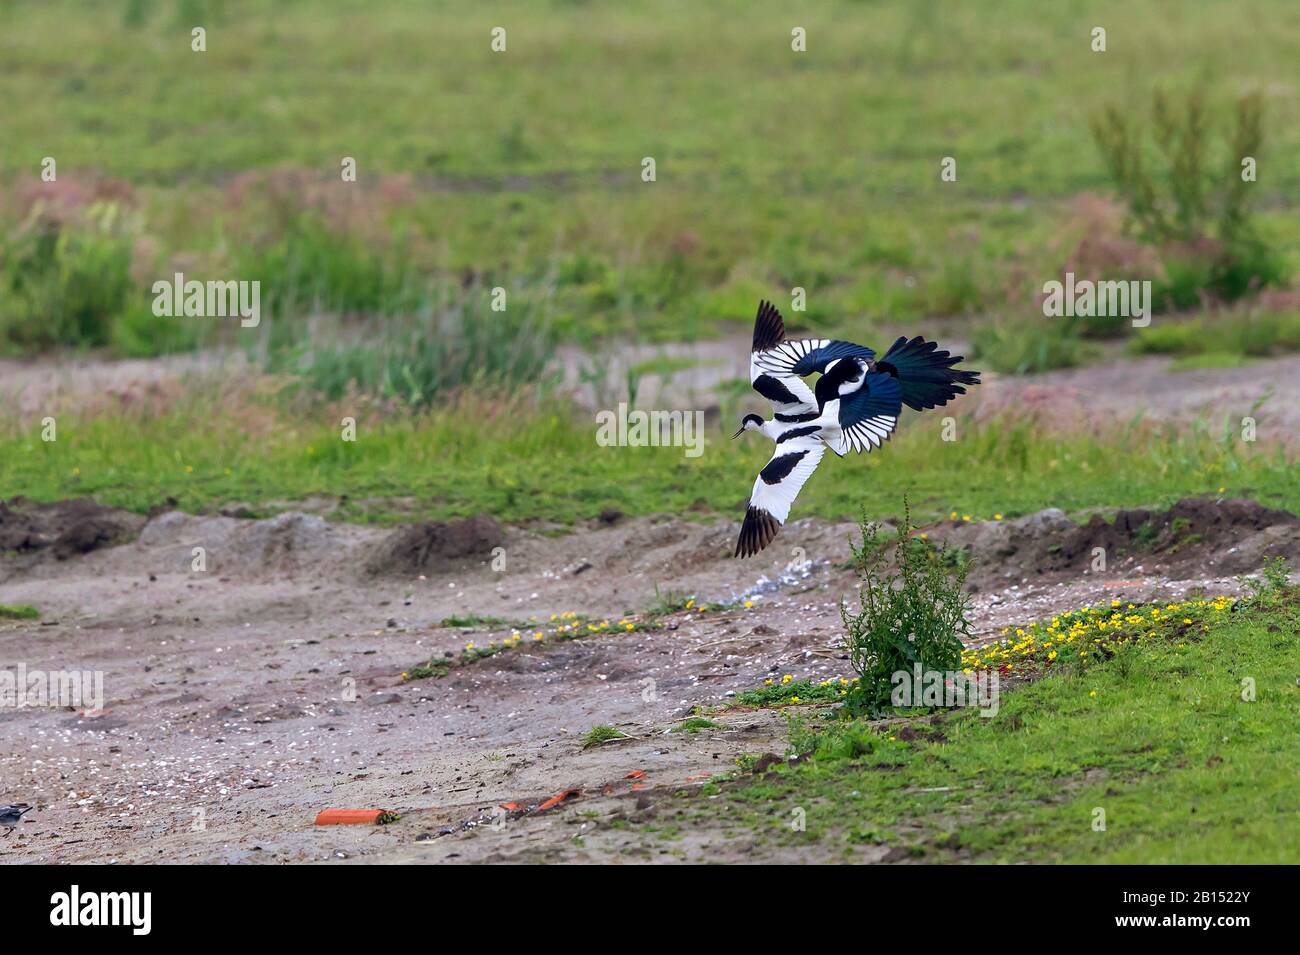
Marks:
<point>854,406</point>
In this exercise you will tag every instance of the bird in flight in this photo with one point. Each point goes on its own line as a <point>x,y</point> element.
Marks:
<point>853,406</point>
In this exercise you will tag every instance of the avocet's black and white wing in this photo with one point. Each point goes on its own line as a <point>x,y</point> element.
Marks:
<point>803,356</point>
<point>868,416</point>
<point>777,485</point>
<point>792,400</point>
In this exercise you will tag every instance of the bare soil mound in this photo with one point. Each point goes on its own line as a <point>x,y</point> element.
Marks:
<point>1195,534</point>
<point>286,542</point>
<point>434,545</point>
<point>1194,537</point>
<point>65,528</point>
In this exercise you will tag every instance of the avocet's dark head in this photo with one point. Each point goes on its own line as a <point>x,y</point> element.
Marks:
<point>751,422</point>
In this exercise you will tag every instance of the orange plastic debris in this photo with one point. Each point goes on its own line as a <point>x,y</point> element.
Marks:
<point>635,774</point>
<point>510,806</point>
<point>557,799</point>
<point>351,817</point>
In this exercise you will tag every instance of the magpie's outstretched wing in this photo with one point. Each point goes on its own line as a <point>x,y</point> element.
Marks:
<point>775,489</point>
<point>791,398</point>
<point>804,356</point>
<point>926,373</point>
<point>869,415</point>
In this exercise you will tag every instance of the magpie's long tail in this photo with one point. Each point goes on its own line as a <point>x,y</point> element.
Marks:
<point>925,373</point>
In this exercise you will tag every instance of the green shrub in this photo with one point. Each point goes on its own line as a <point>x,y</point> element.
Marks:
<point>310,267</point>
<point>914,614</point>
<point>138,333</point>
<point>66,285</point>
<point>18,612</point>
<point>839,740</point>
<point>64,288</point>
<point>1272,587</point>
<point>1026,347</point>
<point>694,725</point>
<point>1188,199</point>
<point>602,734</point>
<point>1252,333</point>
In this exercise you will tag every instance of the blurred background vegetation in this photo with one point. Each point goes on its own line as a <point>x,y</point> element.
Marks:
<point>522,170</point>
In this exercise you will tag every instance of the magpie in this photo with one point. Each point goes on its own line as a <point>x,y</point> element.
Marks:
<point>10,816</point>
<point>853,406</point>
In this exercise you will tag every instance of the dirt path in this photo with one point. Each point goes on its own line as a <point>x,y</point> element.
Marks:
<point>228,696</point>
<point>1116,389</point>
<point>1267,390</point>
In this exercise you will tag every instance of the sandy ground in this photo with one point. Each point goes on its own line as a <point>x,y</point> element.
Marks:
<point>230,719</point>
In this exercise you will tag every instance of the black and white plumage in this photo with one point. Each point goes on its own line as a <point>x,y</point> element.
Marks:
<point>777,485</point>
<point>792,400</point>
<point>854,406</point>
<point>10,816</point>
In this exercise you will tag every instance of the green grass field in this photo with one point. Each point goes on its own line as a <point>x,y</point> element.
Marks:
<point>1160,738</point>
<point>775,169</point>
<point>519,464</point>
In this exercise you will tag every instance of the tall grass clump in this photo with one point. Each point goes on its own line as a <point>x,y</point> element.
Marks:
<point>310,268</point>
<point>65,287</point>
<point>67,282</point>
<point>1030,346</point>
<point>447,347</point>
<point>1252,333</point>
<point>911,613</point>
<point>1189,197</point>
